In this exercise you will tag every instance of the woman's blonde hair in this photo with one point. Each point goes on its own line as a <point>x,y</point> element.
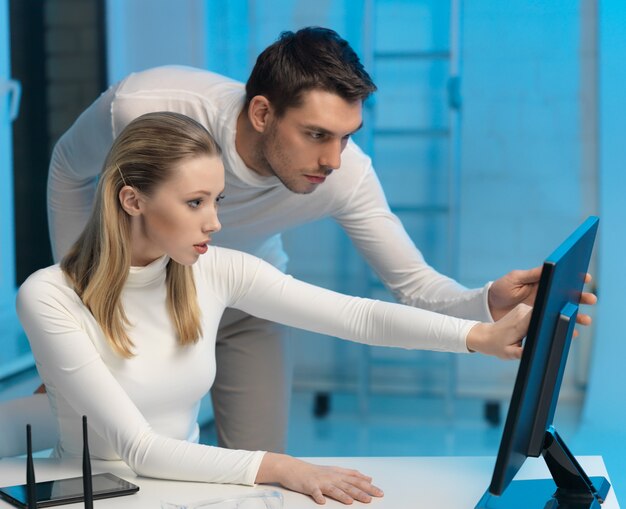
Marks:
<point>143,156</point>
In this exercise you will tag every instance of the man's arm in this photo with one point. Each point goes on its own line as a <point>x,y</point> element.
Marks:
<point>520,286</point>
<point>381,238</point>
<point>75,165</point>
<point>383,241</point>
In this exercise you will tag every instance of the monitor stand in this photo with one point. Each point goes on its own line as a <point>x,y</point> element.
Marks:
<point>569,488</point>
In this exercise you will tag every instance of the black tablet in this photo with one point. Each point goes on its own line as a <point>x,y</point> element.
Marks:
<point>69,491</point>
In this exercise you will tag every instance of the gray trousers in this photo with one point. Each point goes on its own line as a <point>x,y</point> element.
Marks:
<point>252,388</point>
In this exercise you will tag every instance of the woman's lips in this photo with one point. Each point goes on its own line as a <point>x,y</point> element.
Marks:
<point>201,248</point>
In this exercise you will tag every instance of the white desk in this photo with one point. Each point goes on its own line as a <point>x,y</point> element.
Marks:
<point>436,482</point>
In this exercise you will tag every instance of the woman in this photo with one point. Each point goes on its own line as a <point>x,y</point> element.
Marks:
<point>123,330</point>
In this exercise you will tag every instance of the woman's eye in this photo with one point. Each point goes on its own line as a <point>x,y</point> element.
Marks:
<point>194,204</point>
<point>219,198</point>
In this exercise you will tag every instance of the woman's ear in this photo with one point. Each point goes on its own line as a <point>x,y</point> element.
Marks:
<point>130,201</point>
<point>259,112</point>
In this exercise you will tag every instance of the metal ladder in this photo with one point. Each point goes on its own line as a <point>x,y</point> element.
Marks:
<point>444,213</point>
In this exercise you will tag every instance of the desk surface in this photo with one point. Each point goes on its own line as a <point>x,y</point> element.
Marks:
<point>441,482</point>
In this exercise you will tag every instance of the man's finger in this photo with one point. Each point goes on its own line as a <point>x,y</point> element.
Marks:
<point>583,319</point>
<point>588,298</point>
<point>528,276</point>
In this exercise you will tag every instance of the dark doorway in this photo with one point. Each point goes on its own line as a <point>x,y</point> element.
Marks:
<point>58,55</point>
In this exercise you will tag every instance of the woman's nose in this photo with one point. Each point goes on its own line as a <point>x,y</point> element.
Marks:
<point>212,224</point>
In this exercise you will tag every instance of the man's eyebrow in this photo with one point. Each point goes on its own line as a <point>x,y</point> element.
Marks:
<point>322,130</point>
<point>357,129</point>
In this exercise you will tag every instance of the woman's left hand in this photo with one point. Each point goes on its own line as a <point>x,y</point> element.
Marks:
<point>319,482</point>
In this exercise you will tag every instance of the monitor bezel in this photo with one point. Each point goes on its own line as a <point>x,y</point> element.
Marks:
<point>512,454</point>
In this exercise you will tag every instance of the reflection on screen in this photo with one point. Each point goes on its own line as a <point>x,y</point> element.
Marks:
<point>66,488</point>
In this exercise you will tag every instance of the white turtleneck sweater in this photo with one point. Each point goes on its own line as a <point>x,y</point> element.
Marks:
<point>144,409</point>
<point>257,209</point>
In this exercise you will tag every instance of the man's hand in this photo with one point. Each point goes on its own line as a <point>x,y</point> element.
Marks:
<point>520,287</point>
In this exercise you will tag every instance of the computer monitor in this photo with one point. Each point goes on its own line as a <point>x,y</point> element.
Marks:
<point>528,430</point>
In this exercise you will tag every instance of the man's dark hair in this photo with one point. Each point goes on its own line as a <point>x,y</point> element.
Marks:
<point>311,58</point>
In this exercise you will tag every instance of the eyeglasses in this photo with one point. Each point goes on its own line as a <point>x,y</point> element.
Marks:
<point>267,499</point>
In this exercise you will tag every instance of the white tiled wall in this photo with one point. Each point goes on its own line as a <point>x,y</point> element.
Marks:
<point>522,173</point>
<point>521,158</point>
<point>524,180</point>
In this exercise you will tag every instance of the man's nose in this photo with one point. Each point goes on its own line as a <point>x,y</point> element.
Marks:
<point>331,156</point>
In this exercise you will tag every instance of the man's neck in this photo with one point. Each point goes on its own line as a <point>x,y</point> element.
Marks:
<point>246,142</point>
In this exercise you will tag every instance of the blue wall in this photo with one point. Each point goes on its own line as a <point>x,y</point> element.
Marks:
<point>604,431</point>
<point>529,147</point>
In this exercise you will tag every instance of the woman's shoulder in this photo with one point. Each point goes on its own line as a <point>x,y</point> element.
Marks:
<point>221,257</point>
<point>220,261</point>
<point>48,275</point>
<point>230,275</point>
<point>224,266</point>
<point>49,282</point>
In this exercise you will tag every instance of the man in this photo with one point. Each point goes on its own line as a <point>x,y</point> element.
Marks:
<point>289,160</point>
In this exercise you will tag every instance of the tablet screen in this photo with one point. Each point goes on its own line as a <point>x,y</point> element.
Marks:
<point>65,491</point>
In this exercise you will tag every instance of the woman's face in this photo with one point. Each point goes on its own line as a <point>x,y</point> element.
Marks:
<point>179,218</point>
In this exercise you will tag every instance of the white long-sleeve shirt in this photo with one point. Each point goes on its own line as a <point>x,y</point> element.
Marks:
<point>257,209</point>
<point>144,409</point>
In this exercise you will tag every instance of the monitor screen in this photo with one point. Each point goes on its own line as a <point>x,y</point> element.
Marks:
<point>539,376</point>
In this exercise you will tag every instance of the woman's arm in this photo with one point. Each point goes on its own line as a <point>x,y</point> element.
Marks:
<point>70,365</point>
<point>73,369</point>
<point>266,292</point>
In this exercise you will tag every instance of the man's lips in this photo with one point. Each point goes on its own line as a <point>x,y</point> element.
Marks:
<point>315,179</point>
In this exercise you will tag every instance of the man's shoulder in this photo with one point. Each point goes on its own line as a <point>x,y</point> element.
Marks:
<point>355,166</point>
<point>209,98</point>
<point>176,77</point>
<point>355,161</point>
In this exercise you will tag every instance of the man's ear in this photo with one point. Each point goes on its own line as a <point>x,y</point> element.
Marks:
<point>130,201</point>
<point>260,112</point>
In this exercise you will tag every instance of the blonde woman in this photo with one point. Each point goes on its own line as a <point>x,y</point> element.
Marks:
<point>123,330</point>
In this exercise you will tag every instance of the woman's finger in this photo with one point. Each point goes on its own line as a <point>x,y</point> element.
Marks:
<point>355,492</point>
<point>365,486</point>
<point>338,494</point>
<point>318,496</point>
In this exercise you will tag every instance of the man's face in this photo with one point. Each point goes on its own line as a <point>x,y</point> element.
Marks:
<point>304,146</point>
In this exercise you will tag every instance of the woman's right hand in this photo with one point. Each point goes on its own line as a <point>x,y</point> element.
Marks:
<point>317,481</point>
<point>503,338</point>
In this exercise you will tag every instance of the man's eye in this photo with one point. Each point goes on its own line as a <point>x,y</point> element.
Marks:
<point>316,136</point>
<point>194,204</point>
